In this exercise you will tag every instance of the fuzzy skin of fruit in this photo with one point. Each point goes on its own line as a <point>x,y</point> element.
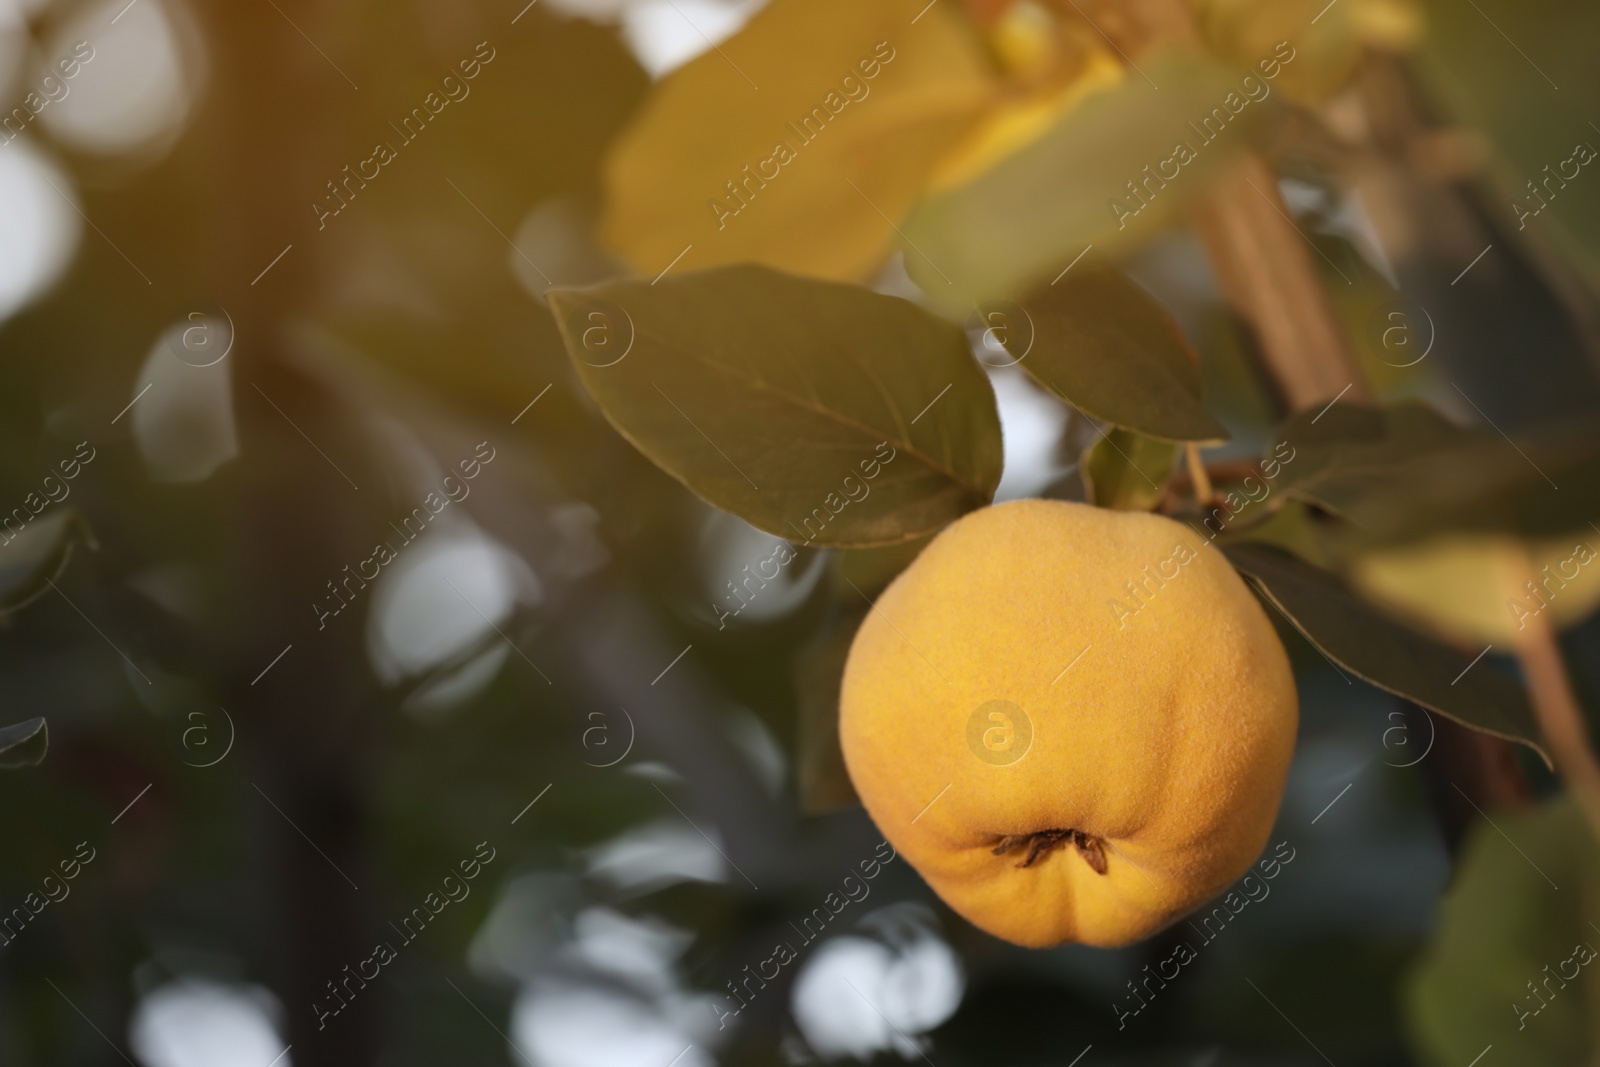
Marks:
<point>1160,725</point>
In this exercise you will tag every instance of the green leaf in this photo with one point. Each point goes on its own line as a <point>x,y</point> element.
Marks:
<point>1101,342</point>
<point>24,744</point>
<point>1341,451</point>
<point>1406,472</point>
<point>1296,528</point>
<point>819,412</point>
<point>1028,215</point>
<point>1127,471</point>
<point>1517,907</point>
<point>1545,483</point>
<point>37,556</point>
<point>1365,642</point>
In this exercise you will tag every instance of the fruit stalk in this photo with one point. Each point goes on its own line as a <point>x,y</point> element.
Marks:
<point>1198,475</point>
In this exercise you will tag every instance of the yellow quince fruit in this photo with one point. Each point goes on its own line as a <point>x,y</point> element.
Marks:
<point>1075,723</point>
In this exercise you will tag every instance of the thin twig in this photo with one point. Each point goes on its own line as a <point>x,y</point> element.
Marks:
<point>1556,706</point>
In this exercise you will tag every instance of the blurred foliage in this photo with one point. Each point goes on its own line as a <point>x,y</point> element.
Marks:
<point>24,744</point>
<point>1128,471</point>
<point>418,323</point>
<point>1510,964</point>
<point>1101,343</point>
<point>1474,589</point>
<point>1531,101</point>
<point>1244,30</point>
<point>1407,472</point>
<point>38,554</point>
<point>1026,216</point>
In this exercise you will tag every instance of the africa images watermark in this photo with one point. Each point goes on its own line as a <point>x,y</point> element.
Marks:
<point>1232,504</point>
<point>1582,155</point>
<point>1582,956</point>
<point>1143,191</point>
<point>782,554</point>
<point>1122,610</point>
<point>783,953</point>
<point>743,190</point>
<point>384,953</point>
<point>12,925</point>
<point>51,90</point>
<point>833,504</point>
<point>1549,586</point>
<point>410,128</point>
<point>411,527</point>
<point>55,491</point>
<point>1221,915</point>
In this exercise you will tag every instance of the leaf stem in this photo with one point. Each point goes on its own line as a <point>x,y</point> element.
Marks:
<point>1198,475</point>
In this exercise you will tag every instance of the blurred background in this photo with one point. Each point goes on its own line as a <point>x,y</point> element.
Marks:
<point>520,749</point>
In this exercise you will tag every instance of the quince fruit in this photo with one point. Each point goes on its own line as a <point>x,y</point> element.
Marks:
<point>1075,723</point>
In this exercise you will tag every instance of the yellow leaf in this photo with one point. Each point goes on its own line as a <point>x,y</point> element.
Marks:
<point>1327,38</point>
<point>1460,586</point>
<point>1016,123</point>
<point>800,142</point>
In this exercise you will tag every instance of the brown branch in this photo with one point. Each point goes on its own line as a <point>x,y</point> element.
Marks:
<point>1213,475</point>
<point>1265,268</point>
<point>1268,276</point>
<point>1556,706</point>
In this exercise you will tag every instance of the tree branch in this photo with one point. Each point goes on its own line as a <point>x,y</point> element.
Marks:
<point>1556,706</point>
<point>1268,277</point>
